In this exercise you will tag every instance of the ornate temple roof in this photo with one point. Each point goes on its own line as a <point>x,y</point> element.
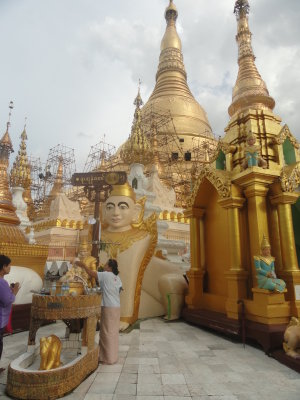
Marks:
<point>20,172</point>
<point>171,92</point>
<point>250,91</point>
<point>137,148</point>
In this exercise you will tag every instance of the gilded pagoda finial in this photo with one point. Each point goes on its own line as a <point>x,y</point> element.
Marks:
<point>8,215</point>
<point>250,91</point>
<point>171,13</point>
<point>58,183</point>
<point>241,7</point>
<point>6,146</point>
<point>20,172</point>
<point>137,149</point>
<point>138,102</point>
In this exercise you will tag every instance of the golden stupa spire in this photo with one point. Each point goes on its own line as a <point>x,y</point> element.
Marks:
<point>58,183</point>
<point>137,149</point>
<point>171,58</point>
<point>9,231</point>
<point>20,172</point>
<point>171,94</point>
<point>250,91</point>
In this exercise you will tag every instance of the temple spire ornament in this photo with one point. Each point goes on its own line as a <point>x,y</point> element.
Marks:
<point>9,221</point>
<point>250,91</point>
<point>137,149</point>
<point>20,172</point>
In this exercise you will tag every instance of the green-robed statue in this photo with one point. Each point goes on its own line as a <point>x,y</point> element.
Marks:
<point>265,269</point>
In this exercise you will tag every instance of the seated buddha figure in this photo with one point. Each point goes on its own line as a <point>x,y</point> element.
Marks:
<point>149,283</point>
<point>265,269</point>
<point>252,153</point>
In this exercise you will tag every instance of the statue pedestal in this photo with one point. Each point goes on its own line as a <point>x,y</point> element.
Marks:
<point>268,307</point>
<point>267,316</point>
<point>292,279</point>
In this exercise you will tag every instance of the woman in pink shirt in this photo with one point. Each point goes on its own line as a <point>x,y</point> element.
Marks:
<point>7,297</point>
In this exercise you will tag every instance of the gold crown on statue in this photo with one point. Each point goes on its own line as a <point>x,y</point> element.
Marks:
<point>251,135</point>
<point>265,243</point>
<point>123,190</point>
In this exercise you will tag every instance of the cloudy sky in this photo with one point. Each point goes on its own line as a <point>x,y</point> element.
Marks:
<point>72,66</point>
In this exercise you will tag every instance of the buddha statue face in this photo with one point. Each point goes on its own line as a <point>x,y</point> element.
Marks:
<point>120,212</point>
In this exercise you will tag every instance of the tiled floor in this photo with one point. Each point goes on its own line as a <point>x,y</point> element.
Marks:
<point>162,361</point>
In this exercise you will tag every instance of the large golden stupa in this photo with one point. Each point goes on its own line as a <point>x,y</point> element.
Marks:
<point>171,93</point>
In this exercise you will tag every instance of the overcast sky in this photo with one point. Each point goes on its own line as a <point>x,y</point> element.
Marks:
<point>72,66</point>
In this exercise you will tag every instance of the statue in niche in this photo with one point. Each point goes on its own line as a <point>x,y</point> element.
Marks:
<point>252,153</point>
<point>152,286</point>
<point>265,269</point>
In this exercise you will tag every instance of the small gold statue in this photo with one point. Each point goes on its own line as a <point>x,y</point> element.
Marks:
<point>77,274</point>
<point>252,153</point>
<point>291,344</point>
<point>50,349</point>
<point>265,269</point>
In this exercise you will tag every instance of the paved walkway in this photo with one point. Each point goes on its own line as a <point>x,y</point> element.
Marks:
<point>172,361</point>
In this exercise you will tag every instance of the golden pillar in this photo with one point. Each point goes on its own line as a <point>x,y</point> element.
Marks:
<point>290,272</point>
<point>197,270</point>
<point>236,276</point>
<point>256,182</point>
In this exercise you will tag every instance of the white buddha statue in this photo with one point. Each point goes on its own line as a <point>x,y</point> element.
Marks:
<point>152,286</point>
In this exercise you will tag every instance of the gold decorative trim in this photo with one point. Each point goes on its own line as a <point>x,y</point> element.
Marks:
<point>19,249</point>
<point>290,178</point>
<point>53,223</point>
<point>218,178</point>
<point>285,133</point>
<point>151,226</point>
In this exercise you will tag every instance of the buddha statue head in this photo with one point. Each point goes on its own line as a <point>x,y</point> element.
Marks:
<point>121,210</point>
<point>265,247</point>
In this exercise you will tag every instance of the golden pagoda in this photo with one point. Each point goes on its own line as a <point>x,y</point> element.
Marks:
<point>20,175</point>
<point>13,242</point>
<point>235,203</point>
<point>171,93</point>
<point>137,149</point>
<point>59,221</point>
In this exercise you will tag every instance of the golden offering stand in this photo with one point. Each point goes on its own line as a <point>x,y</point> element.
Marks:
<point>25,380</point>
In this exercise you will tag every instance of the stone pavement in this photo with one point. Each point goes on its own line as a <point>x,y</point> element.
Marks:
<point>172,361</point>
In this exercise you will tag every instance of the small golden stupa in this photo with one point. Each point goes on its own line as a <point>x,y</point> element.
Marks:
<point>13,242</point>
<point>137,149</point>
<point>20,175</point>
